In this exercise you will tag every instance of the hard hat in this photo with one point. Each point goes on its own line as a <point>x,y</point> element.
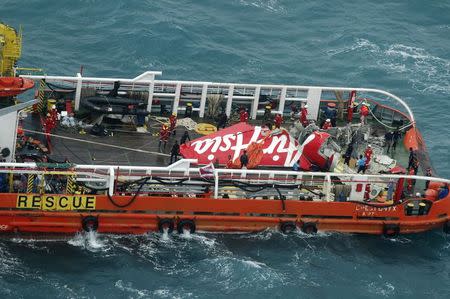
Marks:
<point>268,107</point>
<point>306,106</point>
<point>53,107</point>
<point>174,114</point>
<point>189,104</point>
<point>369,145</point>
<point>328,120</point>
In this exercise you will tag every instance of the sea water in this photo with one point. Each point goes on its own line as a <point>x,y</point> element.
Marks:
<point>399,46</point>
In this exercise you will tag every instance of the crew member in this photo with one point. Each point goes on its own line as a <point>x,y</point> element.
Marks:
<point>327,124</point>
<point>304,115</point>
<point>244,159</point>
<point>222,120</point>
<point>430,174</point>
<point>351,106</point>
<point>388,140</point>
<point>364,112</point>
<point>361,163</point>
<point>348,154</point>
<point>412,156</point>
<point>185,137</point>
<point>395,137</point>
<point>278,120</point>
<point>368,154</point>
<point>173,123</point>
<point>229,162</point>
<point>331,113</point>
<point>294,111</point>
<point>188,111</point>
<point>164,134</point>
<point>174,152</point>
<point>243,116</point>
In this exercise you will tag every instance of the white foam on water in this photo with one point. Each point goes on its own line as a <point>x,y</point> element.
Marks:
<point>425,72</point>
<point>88,240</point>
<point>254,264</point>
<point>385,289</point>
<point>132,292</point>
<point>267,5</point>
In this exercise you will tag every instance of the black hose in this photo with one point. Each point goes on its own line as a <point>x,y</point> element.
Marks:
<point>144,181</point>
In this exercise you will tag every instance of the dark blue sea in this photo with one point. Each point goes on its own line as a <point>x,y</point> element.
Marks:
<point>400,46</point>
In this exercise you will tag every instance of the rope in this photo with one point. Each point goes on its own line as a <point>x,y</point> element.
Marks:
<point>392,128</point>
<point>97,143</point>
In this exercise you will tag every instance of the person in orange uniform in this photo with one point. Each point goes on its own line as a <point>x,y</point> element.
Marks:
<point>173,123</point>
<point>278,120</point>
<point>164,134</point>
<point>327,124</point>
<point>243,116</point>
<point>364,112</point>
<point>229,162</point>
<point>304,115</point>
<point>368,154</point>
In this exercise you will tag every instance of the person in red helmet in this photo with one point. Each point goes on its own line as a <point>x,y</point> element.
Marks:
<point>243,116</point>
<point>278,120</point>
<point>327,124</point>
<point>304,115</point>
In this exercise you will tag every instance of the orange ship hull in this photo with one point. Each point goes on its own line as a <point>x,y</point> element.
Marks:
<point>151,213</point>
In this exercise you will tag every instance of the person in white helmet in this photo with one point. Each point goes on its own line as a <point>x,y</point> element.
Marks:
<point>368,154</point>
<point>327,124</point>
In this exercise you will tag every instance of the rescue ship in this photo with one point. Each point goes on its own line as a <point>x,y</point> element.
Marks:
<point>92,154</point>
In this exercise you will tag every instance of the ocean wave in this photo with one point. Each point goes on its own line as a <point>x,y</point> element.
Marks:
<point>425,72</point>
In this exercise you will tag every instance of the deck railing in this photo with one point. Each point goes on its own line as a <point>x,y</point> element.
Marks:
<point>239,93</point>
<point>181,179</point>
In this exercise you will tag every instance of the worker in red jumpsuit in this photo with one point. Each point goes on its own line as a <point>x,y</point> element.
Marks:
<point>229,162</point>
<point>173,123</point>
<point>304,115</point>
<point>364,112</point>
<point>327,124</point>
<point>368,154</point>
<point>278,120</point>
<point>49,123</point>
<point>54,114</point>
<point>243,116</point>
<point>164,134</point>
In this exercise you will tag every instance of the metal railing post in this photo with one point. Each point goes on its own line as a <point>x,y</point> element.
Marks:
<point>151,87</point>
<point>282,99</point>
<point>111,181</point>
<point>176,101</point>
<point>216,184</point>
<point>78,91</point>
<point>229,100</point>
<point>203,100</point>
<point>256,102</point>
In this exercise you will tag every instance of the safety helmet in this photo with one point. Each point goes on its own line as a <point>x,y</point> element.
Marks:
<point>306,106</point>
<point>328,120</point>
<point>369,145</point>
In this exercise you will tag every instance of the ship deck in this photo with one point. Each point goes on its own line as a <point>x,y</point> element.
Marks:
<point>125,146</point>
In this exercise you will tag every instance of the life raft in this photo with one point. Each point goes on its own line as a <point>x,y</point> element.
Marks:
<point>12,86</point>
